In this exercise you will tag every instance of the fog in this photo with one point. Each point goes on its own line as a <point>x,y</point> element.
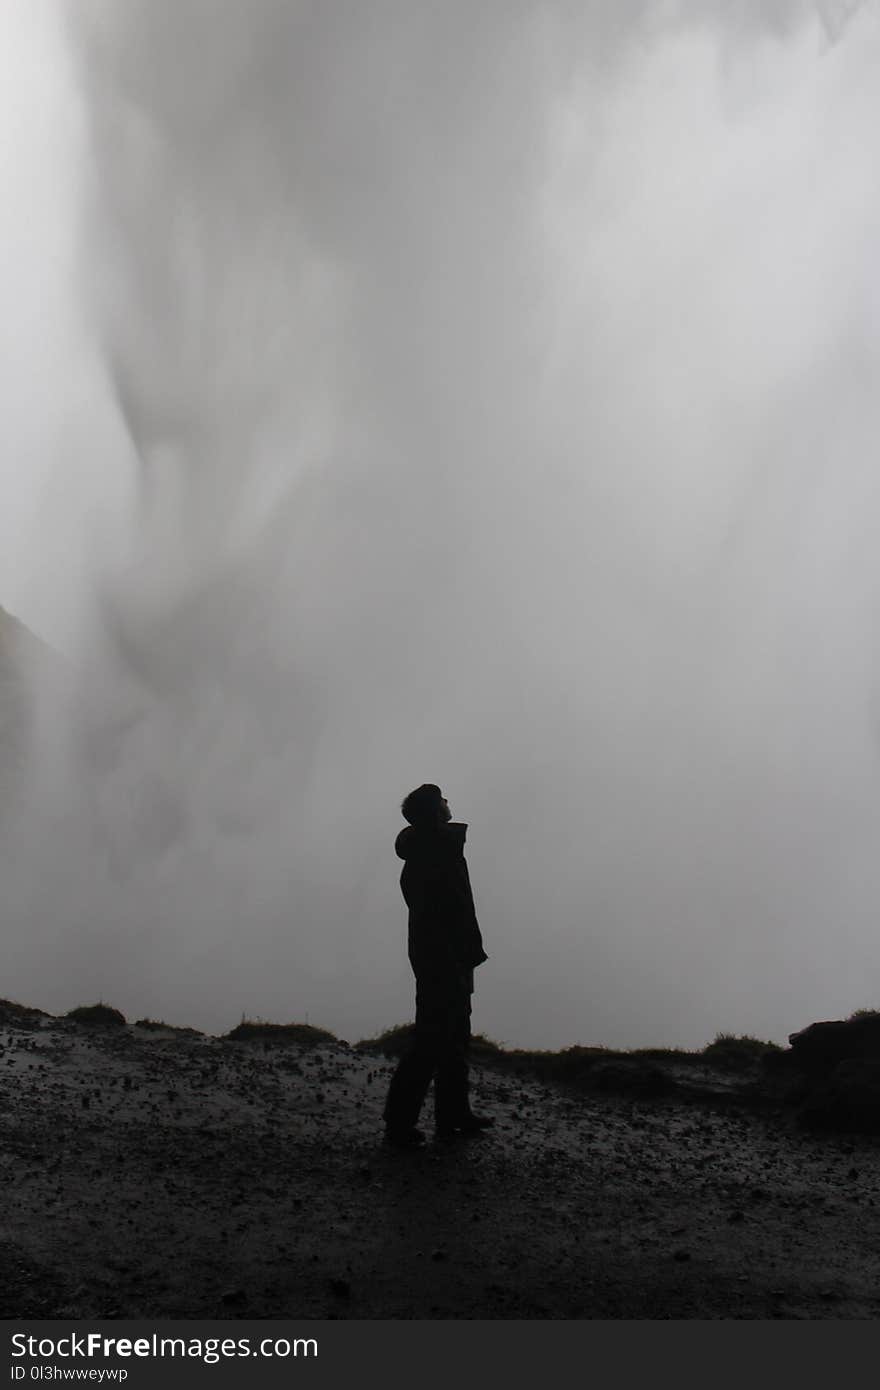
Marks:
<point>474,394</point>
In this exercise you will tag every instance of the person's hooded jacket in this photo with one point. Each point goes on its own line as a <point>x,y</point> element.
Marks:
<point>444,937</point>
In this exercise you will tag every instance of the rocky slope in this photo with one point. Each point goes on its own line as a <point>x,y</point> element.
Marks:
<point>152,1173</point>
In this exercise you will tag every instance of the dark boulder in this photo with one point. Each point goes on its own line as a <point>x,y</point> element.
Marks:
<point>824,1045</point>
<point>847,1098</point>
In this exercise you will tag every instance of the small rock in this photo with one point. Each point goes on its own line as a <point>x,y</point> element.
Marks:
<point>681,1255</point>
<point>341,1288</point>
<point>233,1297</point>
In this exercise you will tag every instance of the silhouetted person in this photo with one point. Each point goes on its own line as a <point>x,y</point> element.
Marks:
<point>444,947</point>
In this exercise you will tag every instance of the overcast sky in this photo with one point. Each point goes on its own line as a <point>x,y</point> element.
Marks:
<point>482,394</point>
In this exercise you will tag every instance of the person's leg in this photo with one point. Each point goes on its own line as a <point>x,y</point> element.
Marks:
<point>412,1077</point>
<point>409,1086</point>
<point>451,1105</point>
<point>452,1111</point>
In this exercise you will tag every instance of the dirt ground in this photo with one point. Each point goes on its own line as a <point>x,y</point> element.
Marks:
<point>150,1174</point>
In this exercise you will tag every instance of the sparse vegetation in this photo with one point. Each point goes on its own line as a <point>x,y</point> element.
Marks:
<point>575,1064</point>
<point>97,1016</point>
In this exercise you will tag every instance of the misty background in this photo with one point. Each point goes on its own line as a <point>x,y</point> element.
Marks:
<point>479,394</point>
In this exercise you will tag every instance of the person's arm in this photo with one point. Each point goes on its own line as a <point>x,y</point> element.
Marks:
<point>471,939</point>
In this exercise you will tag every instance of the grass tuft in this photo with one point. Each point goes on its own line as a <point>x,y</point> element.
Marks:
<point>738,1052</point>
<point>302,1034</point>
<point>97,1016</point>
<point>154,1025</point>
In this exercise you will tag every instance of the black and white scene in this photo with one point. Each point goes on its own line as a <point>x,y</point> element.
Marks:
<point>439,659</point>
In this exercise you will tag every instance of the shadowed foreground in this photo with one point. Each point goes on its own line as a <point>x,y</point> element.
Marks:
<point>150,1172</point>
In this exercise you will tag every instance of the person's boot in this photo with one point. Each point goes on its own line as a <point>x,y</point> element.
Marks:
<point>472,1124</point>
<point>466,1124</point>
<point>399,1138</point>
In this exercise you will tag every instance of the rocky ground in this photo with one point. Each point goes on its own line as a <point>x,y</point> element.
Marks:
<point>151,1173</point>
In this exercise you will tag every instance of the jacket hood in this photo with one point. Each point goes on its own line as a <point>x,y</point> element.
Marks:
<point>415,840</point>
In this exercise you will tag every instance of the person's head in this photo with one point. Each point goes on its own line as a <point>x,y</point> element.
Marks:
<point>426,806</point>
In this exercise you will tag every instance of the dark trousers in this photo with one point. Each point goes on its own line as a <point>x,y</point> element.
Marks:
<point>438,1050</point>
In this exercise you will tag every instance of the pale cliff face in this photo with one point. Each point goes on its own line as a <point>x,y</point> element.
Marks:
<point>20,651</point>
<point>24,660</point>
